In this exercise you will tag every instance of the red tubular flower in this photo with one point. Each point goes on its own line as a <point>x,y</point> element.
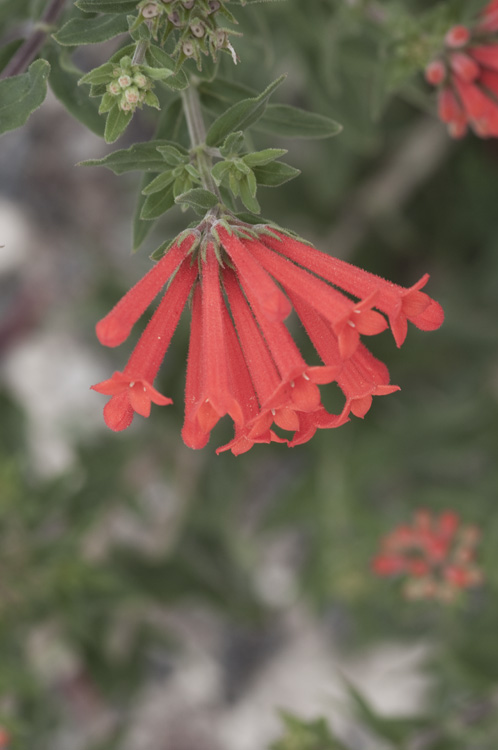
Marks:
<point>116,326</point>
<point>242,360</point>
<point>466,73</point>
<point>436,555</point>
<point>131,390</point>
<point>399,304</point>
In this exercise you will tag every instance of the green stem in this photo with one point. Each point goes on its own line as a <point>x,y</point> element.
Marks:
<point>197,134</point>
<point>139,54</point>
<point>141,48</point>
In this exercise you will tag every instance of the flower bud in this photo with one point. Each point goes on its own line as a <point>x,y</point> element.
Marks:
<point>214,5</point>
<point>132,95</point>
<point>188,4</point>
<point>435,72</point>
<point>456,37</point>
<point>124,81</point>
<point>174,18</point>
<point>140,80</point>
<point>220,38</point>
<point>125,105</point>
<point>150,11</point>
<point>188,49</point>
<point>114,88</point>
<point>197,28</point>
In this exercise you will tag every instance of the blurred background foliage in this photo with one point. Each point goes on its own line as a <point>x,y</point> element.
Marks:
<point>106,560</point>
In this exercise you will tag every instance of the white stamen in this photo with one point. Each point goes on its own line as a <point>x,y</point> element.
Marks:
<point>273,412</point>
<point>357,311</point>
<point>132,384</point>
<point>292,385</point>
<point>145,389</point>
<point>305,376</point>
<point>353,325</point>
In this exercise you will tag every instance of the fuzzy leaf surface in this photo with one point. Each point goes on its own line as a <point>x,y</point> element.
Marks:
<point>141,156</point>
<point>91,30</point>
<point>275,174</point>
<point>116,123</point>
<point>241,115</point>
<point>198,198</point>
<point>160,60</point>
<point>22,94</point>
<point>293,122</point>
<point>158,203</point>
<point>107,6</point>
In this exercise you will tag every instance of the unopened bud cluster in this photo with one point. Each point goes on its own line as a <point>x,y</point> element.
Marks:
<point>130,86</point>
<point>435,554</point>
<point>194,24</point>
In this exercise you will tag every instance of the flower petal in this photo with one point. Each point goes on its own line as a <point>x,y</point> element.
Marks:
<point>117,324</point>
<point>118,414</point>
<point>252,274</point>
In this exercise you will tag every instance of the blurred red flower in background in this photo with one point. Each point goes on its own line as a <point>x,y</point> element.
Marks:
<point>466,73</point>
<point>436,555</point>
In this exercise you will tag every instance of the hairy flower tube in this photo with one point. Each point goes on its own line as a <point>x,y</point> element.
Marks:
<point>243,282</point>
<point>466,74</point>
<point>436,556</point>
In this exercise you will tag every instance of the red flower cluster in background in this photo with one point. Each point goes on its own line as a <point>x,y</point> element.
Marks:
<point>435,554</point>
<point>466,73</point>
<point>243,282</point>
<point>4,738</point>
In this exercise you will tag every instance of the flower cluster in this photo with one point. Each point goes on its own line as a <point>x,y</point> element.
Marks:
<point>466,74</point>
<point>436,556</point>
<point>195,23</point>
<point>129,87</point>
<point>243,282</point>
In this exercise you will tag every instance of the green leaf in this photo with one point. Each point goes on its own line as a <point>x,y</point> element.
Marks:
<point>248,194</point>
<point>241,115</point>
<point>91,30</point>
<point>159,59</point>
<point>99,75</point>
<point>157,74</point>
<point>22,94</point>
<point>275,174</point>
<point>173,154</point>
<point>107,6</point>
<point>140,156</point>
<point>8,51</point>
<point>259,158</point>
<point>107,103</point>
<point>159,182</point>
<point>220,169</point>
<point>198,198</point>
<point>233,144</point>
<point>157,203</point>
<point>116,123</point>
<point>293,122</point>
<point>63,81</point>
